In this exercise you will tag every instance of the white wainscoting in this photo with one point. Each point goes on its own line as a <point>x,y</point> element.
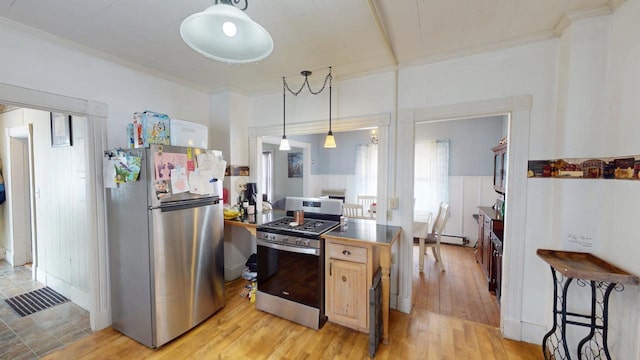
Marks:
<point>319,182</point>
<point>466,193</point>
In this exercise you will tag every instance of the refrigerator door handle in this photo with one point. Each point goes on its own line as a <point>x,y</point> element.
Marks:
<point>181,205</point>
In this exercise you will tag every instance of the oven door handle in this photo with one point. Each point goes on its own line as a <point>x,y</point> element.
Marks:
<point>295,249</point>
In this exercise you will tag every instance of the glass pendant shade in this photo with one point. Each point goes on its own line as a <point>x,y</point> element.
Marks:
<point>284,144</point>
<point>225,33</point>
<point>330,141</point>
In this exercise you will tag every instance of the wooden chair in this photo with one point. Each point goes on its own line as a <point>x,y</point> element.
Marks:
<point>353,211</point>
<point>433,239</point>
<point>366,201</point>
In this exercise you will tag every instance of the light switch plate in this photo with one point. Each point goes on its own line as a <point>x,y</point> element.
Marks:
<point>393,203</point>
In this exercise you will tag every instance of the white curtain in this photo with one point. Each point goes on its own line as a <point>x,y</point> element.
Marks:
<point>366,179</point>
<point>431,175</point>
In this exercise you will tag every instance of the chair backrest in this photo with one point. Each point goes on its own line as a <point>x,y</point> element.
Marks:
<point>366,200</point>
<point>352,210</point>
<point>441,220</point>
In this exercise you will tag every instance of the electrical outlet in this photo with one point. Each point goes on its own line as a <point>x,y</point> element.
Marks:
<point>389,215</point>
<point>393,203</point>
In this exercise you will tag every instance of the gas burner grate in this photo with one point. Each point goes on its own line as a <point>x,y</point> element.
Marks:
<point>310,226</point>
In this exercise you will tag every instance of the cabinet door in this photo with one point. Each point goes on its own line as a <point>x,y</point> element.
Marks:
<point>480,238</point>
<point>487,257</point>
<point>347,289</point>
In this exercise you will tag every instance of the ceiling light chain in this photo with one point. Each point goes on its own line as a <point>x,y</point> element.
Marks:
<point>306,74</point>
<point>234,3</point>
<point>330,141</point>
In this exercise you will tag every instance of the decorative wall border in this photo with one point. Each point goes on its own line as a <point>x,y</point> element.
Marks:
<point>620,168</point>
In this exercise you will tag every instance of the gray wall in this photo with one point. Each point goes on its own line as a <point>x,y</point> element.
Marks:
<point>338,161</point>
<point>283,185</point>
<point>470,142</point>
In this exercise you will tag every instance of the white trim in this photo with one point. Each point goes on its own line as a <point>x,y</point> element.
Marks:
<point>306,158</point>
<point>519,108</point>
<point>533,333</point>
<point>381,121</point>
<point>320,126</point>
<point>96,113</point>
<point>21,132</point>
<point>570,17</point>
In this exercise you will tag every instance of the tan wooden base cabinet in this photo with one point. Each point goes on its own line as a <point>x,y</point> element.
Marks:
<point>349,274</point>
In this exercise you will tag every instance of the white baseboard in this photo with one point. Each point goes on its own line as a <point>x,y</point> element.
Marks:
<point>76,295</point>
<point>403,304</point>
<point>100,320</point>
<point>512,329</point>
<point>452,240</point>
<point>533,333</point>
<point>521,331</point>
<point>8,257</point>
<point>233,272</point>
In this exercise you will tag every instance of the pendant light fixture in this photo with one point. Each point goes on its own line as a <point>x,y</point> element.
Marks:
<point>284,143</point>
<point>330,141</point>
<point>225,33</point>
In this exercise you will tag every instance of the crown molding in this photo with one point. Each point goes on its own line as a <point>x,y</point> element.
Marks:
<point>568,18</point>
<point>615,4</point>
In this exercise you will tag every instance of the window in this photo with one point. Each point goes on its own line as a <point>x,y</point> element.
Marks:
<point>431,175</point>
<point>267,175</point>
<point>366,179</point>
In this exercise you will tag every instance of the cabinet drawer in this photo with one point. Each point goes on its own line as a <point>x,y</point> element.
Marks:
<point>347,252</point>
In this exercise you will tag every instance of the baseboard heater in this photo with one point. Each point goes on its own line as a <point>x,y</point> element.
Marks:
<point>454,239</point>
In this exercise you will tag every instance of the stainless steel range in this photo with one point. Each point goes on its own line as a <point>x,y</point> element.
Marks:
<point>291,260</point>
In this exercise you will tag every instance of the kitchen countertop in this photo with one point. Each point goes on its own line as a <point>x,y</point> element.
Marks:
<point>253,221</point>
<point>490,212</point>
<point>367,231</point>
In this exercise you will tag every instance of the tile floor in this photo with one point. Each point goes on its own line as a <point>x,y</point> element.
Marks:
<point>34,336</point>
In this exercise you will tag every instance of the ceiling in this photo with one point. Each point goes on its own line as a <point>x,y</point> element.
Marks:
<point>355,37</point>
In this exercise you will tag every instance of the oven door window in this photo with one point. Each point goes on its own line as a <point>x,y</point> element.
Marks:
<point>290,275</point>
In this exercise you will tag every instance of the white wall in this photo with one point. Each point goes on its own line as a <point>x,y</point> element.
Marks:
<point>606,126</point>
<point>578,126</point>
<point>35,62</point>
<point>61,210</point>
<point>31,61</point>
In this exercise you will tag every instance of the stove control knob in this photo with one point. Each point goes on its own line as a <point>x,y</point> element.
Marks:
<point>306,242</point>
<point>298,241</point>
<point>285,239</point>
<point>273,237</point>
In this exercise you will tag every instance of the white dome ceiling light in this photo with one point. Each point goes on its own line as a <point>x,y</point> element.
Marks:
<point>225,33</point>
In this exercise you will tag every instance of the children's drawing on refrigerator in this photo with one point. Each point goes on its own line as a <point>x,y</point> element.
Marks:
<point>165,162</point>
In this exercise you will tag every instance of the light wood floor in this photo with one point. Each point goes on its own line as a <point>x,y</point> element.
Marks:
<point>460,291</point>
<point>239,331</point>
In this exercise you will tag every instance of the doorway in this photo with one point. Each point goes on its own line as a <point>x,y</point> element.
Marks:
<point>20,195</point>
<point>519,108</point>
<point>97,294</point>
<point>454,164</point>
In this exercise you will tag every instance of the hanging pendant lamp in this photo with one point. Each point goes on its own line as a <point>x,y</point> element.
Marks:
<point>284,143</point>
<point>330,141</point>
<point>225,33</point>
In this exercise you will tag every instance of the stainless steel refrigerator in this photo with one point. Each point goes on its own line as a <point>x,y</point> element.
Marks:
<point>165,250</point>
